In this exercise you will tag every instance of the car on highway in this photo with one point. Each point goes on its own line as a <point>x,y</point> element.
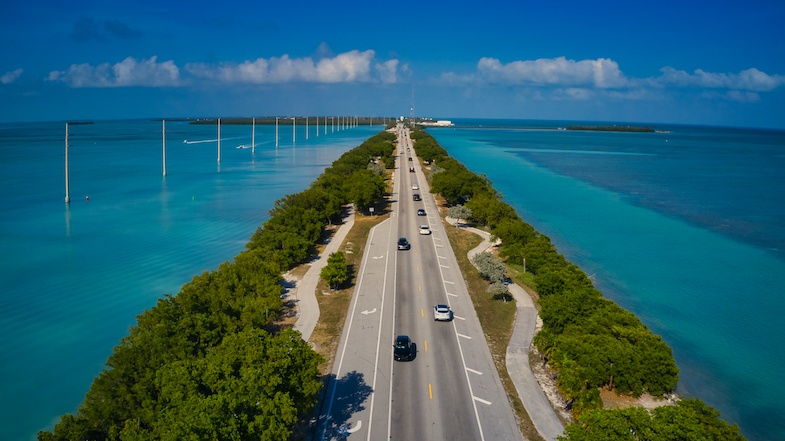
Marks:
<point>415,187</point>
<point>403,244</point>
<point>416,197</point>
<point>410,158</point>
<point>404,349</point>
<point>425,230</point>
<point>411,169</point>
<point>442,312</point>
<point>420,212</point>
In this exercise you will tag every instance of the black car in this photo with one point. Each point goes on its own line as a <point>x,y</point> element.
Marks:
<point>420,212</point>
<point>403,244</point>
<point>416,197</point>
<point>404,349</point>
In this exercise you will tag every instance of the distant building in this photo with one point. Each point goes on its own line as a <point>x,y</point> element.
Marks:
<point>439,123</point>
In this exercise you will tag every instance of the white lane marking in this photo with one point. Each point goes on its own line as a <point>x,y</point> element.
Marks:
<point>481,400</point>
<point>442,257</point>
<point>457,316</point>
<point>348,334</point>
<point>444,266</point>
<point>452,295</point>
<point>473,371</point>
<point>345,428</point>
<point>366,312</point>
<point>379,257</point>
<point>464,336</point>
<point>447,281</point>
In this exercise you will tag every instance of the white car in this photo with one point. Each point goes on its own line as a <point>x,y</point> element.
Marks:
<point>442,312</point>
<point>425,229</point>
<point>415,187</point>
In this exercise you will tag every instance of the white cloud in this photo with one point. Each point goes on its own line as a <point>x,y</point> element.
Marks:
<point>127,73</point>
<point>348,67</point>
<point>387,71</point>
<point>580,80</point>
<point>10,77</point>
<point>600,73</point>
<point>749,79</point>
<point>742,96</point>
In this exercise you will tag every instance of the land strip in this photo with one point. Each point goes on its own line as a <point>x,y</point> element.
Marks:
<point>537,405</point>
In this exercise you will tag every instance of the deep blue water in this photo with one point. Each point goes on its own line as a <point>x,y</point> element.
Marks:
<point>74,276</point>
<point>686,228</point>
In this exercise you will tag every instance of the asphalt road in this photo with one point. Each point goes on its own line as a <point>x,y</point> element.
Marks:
<point>451,390</point>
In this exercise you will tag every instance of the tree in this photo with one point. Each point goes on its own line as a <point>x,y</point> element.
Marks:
<point>336,272</point>
<point>490,266</point>
<point>364,188</point>
<point>460,212</point>
<point>514,231</point>
<point>376,167</point>
<point>499,291</point>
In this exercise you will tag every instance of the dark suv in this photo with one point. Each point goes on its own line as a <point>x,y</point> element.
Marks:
<point>403,244</point>
<point>416,196</point>
<point>404,349</point>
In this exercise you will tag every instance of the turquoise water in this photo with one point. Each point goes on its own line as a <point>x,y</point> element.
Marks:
<point>75,276</point>
<point>683,228</point>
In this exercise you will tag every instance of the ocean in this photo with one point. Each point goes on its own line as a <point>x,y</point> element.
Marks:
<point>75,276</point>
<point>684,227</point>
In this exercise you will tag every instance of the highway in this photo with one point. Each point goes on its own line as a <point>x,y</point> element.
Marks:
<point>451,389</point>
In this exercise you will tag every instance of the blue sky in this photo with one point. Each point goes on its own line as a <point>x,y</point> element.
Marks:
<point>691,62</point>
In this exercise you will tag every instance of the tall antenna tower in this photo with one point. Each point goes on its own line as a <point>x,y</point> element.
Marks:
<point>411,109</point>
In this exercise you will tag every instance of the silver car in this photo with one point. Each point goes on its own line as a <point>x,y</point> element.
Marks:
<point>442,312</point>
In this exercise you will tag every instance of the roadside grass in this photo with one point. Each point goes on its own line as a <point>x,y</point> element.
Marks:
<point>497,317</point>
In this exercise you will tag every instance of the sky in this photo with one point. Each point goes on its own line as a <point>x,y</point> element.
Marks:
<point>715,62</point>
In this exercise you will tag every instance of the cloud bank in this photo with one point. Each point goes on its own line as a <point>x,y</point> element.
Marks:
<point>127,73</point>
<point>579,79</point>
<point>348,67</point>
<point>560,71</point>
<point>750,79</point>
<point>553,78</point>
<point>10,77</point>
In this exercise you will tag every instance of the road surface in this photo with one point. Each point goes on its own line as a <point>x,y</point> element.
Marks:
<point>451,390</point>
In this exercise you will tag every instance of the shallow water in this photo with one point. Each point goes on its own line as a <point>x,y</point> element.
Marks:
<point>682,228</point>
<point>74,276</point>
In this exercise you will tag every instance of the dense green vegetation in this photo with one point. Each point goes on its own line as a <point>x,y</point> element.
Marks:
<point>336,272</point>
<point>210,362</point>
<point>690,420</point>
<point>589,340</point>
